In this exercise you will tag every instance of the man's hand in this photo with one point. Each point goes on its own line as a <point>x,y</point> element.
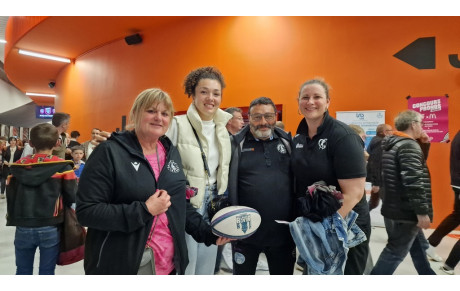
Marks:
<point>375,189</point>
<point>423,221</point>
<point>158,203</point>
<point>101,137</point>
<point>424,138</point>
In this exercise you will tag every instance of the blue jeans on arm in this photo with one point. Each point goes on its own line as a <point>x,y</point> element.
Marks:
<point>403,237</point>
<point>26,241</point>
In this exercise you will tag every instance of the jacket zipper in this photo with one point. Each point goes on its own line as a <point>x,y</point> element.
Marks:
<point>102,247</point>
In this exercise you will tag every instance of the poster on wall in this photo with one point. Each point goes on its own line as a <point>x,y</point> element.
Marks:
<point>368,120</point>
<point>435,116</point>
<point>6,131</point>
<point>14,131</point>
<point>25,133</point>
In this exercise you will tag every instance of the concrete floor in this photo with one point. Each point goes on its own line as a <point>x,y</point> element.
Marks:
<point>377,243</point>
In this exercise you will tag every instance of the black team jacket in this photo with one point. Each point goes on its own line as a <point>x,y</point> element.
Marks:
<point>111,196</point>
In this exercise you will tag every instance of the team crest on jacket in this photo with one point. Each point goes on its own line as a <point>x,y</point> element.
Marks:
<point>281,148</point>
<point>173,167</point>
<point>322,143</point>
<point>243,221</point>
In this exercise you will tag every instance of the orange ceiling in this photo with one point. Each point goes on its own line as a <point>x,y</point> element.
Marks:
<point>65,36</point>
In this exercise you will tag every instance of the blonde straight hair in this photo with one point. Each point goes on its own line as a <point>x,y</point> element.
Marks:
<point>147,99</point>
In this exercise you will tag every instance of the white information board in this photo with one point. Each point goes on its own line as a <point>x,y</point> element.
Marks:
<point>368,120</point>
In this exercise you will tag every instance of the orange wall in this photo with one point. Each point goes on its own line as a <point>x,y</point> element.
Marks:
<point>272,56</point>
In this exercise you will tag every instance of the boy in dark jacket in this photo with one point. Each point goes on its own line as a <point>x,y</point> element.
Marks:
<point>37,188</point>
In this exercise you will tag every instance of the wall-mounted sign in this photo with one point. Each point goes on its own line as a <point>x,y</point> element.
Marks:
<point>368,120</point>
<point>435,117</point>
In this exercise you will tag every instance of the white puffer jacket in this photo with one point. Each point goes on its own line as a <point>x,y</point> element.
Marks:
<point>182,136</point>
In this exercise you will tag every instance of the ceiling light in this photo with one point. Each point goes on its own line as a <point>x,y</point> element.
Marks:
<point>40,94</point>
<point>2,41</point>
<point>43,56</point>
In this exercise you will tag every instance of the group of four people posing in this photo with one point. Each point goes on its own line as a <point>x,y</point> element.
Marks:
<point>132,194</point>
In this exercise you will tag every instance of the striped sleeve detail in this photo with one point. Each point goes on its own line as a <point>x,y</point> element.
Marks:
<point>66,175</point>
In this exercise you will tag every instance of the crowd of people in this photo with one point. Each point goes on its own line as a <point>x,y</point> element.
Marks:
<point>145,191</point>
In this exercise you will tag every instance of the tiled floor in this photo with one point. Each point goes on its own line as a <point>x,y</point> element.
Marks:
<point>377,243</point>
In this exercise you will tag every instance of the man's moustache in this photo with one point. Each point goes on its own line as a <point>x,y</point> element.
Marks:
<point>262,126</point>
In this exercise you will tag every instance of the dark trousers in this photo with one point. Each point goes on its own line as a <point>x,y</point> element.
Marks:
<point>218,258</point>
<point>454,256</point>
<point>281,259</point>
<point>5,173</point>
<point>448,224</point>
<point>357,259</point>
<point>357,256</point>
<point>403,237</point>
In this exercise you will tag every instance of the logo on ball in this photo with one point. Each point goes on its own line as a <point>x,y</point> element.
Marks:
<point>243,221</point>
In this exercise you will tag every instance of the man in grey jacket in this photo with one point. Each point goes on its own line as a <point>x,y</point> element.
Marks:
<point>406,205</point>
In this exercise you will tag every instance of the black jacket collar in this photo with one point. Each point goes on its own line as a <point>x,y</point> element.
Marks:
<point>128,140</point>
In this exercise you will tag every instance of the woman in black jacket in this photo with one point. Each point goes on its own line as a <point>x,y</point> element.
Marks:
<point>10,155</point>
<point>131,196</point>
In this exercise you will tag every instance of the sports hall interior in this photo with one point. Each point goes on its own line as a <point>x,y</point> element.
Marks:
<point>258,55</point>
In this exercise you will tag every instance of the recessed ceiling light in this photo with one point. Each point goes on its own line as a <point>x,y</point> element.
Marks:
<point>43,56</point>
<point>2,41</point>
<point>40,94</point>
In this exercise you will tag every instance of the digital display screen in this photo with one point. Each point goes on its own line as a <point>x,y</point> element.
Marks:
<point>45,112</point>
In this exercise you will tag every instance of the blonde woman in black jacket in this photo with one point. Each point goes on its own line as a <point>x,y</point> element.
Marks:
<point>131,196</point>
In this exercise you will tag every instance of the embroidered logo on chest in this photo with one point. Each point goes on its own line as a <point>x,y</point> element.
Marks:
<point>281,148</point>
<point>173,167</point>
<point>322,143</point>
<point>136,165</point>
<point>299,146</point>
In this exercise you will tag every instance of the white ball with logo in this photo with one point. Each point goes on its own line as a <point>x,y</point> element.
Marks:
<point>236,222</point>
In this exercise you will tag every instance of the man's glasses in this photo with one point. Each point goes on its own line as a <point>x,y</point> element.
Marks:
<point>267,116</point>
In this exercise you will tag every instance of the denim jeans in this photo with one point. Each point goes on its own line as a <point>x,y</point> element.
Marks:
<point>26,241</point>
<point>202,259</point>
<point>403,237</point>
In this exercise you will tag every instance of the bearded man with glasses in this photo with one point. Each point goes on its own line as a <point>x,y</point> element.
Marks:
<point>260,177</point>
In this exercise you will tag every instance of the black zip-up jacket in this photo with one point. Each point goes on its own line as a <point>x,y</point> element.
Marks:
<point>34,191</point>
<point>111,196</point>
<point>406,179</point>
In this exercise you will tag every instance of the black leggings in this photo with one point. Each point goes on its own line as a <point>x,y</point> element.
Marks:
<point>5,173</point>
<point>454,256</point>
<point>448,224</point>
